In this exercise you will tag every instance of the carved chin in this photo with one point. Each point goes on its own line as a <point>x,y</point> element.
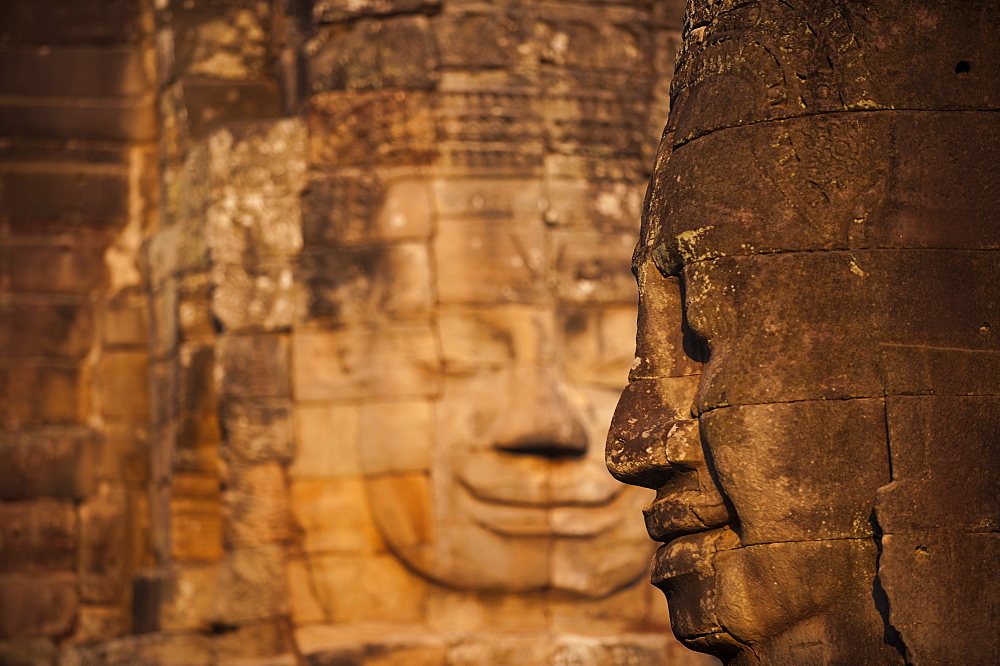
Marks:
<point>543,549</point>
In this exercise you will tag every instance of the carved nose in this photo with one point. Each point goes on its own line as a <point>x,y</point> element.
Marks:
<point>539,420</point>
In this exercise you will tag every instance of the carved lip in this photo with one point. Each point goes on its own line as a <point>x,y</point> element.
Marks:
<point>680,514</point>
<point>524,516</point>
<point>687,554</point>
<point>535,483</point>
<point>529,521</point>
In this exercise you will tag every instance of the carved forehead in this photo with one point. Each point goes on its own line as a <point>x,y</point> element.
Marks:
<point>829,182</point>
<point>744,63</point>
<point>780,141</point>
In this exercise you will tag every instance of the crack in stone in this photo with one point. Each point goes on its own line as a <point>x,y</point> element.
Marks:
<point>681,143</point>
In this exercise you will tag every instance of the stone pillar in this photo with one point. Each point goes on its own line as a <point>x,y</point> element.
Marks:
<point>77,185</point>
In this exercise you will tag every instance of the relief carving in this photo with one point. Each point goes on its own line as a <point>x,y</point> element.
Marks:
<point>814,391</point>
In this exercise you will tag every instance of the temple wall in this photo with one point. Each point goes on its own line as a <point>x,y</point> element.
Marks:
<point>249,326</point>
<point>78,169</point>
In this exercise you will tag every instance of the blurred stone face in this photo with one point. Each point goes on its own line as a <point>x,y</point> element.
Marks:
<point>476,176</point>
<point>499,483</point>
<point>801,281</point>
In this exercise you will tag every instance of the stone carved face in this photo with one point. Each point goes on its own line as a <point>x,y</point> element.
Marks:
<point>496,480</point>
<point>801,284</point>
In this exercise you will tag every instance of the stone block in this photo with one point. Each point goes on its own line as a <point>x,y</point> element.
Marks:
<point>91,21</point>
<point>189,595</point>
<point>252,230</point>
<point>594,267</point>
<point>36,605</point>
<point>123,457</point>
<point>306,610</point>
<point>108,71</point>
<point>327,437</point>
<point>817,351</point>
<point>370,128</point>
<point>164,394</point>
<point>842,572</point>
<point>396,436</point>
<point>843,76</point>
<point>256,644</point>
<point>492,199</point>
<point>228,42</point>
<point>367,588</point>
<point>29,652</point>
<point>925,494</point>
<point>333,516</point>
<point>60,465</point>
<point>126,321</point>
<point>196,518</point>
<point>123,119</point>
<point>585,205</point>
<point>477,40</point>
<point>405,211</point>
<point>495,337</point>
<point>481,261</point>
<point>257,509</point>
<point>827,494</point>
<point>598,344</point>
<point>103,557</point>
<point>21,386</point>
<point>349,208</point>
<point>368,285</point>
<point>383,643</point>
<point>163,314</point>
<point>124,384</point>
<point>914,568</point>
<point>527,648</point>
<point>468,612</point>
<point>66,194</point>
<point>254,366</point>
<point>384,362</point>
<point>38,535</point>
<point>252,586</point>
<point>167,649</point>
<point>620,612</point>
<point>71,268</point>
<point>193,309</point>
<point>327,11</point>
<point>97,624</point>
<point>261,300</point>
<point>37,328</point>
<point>403,509</point>
<point>264,159</point>
<point>259,431</point>
<point>210,104</point>
<point>397,52</point>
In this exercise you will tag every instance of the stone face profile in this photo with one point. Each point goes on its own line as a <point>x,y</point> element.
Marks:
<point>816,390</point>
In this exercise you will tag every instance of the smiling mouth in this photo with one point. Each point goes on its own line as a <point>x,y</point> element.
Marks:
<point>534,517</point>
